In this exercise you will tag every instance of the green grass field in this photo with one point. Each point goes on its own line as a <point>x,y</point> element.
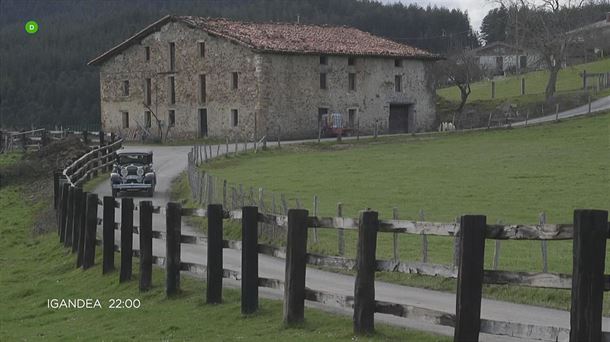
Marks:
<point>508,175</point>
<point>510,87</point>
<point>35,268</point>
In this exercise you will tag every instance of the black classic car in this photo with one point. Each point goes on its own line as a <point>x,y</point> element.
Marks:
<point>133,171</point>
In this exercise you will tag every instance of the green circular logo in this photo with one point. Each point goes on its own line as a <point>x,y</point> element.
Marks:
<point>31,27</point>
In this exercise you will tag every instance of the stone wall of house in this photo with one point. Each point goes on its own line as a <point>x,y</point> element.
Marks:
<point>276,94</point>
<point>291,95</point>
<point>222,58</point>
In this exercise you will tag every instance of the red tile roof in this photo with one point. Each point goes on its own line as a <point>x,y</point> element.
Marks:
<point>286,38</point>
<point>305,39</point>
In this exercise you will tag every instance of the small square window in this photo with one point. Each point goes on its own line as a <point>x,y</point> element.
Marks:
<point>172,56</point>
<point>202,49</point>
<point>322,80</point>
<point>148,91</point>
<point>352,81</point>
<point>398,83</point>
<point>234,117</point>
<point>172,90</point>
<point>147,53</point>
<point>125,119</point>
<point>398,62</point>
<point>235,80</point>
<point>202,88</point>
<point>125,88</point>
<point>351,60</point>
<point>351,115</point>
<point>171,118</point>
<point>323,60</point>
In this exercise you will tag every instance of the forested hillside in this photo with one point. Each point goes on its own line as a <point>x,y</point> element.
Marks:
<point>44,79</point>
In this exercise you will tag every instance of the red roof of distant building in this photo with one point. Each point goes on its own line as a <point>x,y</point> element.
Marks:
<point>291,38</point>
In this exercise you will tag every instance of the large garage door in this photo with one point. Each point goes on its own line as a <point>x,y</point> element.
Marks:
<point>399,118</point>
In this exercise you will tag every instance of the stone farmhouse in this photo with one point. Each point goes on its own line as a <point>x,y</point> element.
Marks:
<point>198,76</point>
<point>499,58</point>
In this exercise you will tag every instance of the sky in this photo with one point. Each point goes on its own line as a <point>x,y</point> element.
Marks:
<point>477,9</point>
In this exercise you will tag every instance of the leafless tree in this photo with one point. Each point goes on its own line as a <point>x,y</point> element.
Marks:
<point>461,68</point>
<point>544,27</point>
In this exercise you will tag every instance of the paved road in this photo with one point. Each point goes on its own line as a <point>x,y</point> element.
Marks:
<point>170,161</point>
<point>596,106</point>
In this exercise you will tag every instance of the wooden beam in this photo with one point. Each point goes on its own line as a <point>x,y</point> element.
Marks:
<point>108,235</point>
<point>90,232</point>
<point>214,260</point>
<point>146,257</point>
<point>126,238</point>
<point>296,249</point>
<point>470,279</point>
<point>589,254</point>
<point>249,260</point>
<point>173,225</point>
<point>364,289</point>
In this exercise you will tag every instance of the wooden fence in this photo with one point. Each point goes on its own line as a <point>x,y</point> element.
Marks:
<point>34,140</point>
<point>78,223</point>
<point>97,160</point>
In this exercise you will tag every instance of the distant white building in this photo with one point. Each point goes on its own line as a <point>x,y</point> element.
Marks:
<point>500,58</point>
<point>590,42</point>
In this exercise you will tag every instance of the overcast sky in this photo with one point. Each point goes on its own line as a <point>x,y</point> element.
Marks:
<point>477,9</point>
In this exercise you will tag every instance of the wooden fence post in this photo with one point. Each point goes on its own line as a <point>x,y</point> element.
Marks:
<point>146,211</point>
<point>249,260</point>
<point>173,222</point>
<point>557,112</point>
<point>543,245</point>
<point>224,192</point>
<point>366,263</point>
<point>67,228</point>
<point>424,239</point>
<point>340,232</point>
<point>62,205</point>
<point>589,248</point>
<point>126,239</point>
<point>214,267</point>
<point>497,246</point>
<point>395,236</point>
<point>457,243</point>
<point>108,234</point>
<point>79,207</point>
<point>80,251</point>
<point>294,281</point>
<point>90,231</point>
<point>56,176</point>
<point>522,85</point>
<point>315,213</point>
<point>470,278</point>
<point>493,89</point>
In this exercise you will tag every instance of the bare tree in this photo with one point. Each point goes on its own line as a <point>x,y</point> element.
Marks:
<point>461,68</point>
<point>543,26</point>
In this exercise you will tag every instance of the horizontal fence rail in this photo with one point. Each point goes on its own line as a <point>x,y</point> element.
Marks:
<point>99,159</point>
<point>79,225</point>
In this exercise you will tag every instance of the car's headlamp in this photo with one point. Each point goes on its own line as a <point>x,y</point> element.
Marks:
<point>124,172</point>
<point>140,171</point>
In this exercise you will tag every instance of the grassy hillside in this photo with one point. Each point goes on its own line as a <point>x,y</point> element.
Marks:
<point>34,269</point>
<point>509,87</point>
<point>508,175</point>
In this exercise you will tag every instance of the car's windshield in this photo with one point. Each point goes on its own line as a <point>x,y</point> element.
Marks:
<point>138,158</point>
